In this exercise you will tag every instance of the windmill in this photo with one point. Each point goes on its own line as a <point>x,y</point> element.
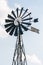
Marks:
<point>15,25</point>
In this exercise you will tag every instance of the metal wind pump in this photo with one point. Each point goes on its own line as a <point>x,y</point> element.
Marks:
<point>16,24</point>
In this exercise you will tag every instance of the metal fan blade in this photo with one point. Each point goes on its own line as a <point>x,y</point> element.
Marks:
<point>17,11</point>
<point>7,20</point>
<point>25,12</point>
<point>11,32</point>
<point>34,30</point>
<point>13,13</point>
<point>27,15</point>
<point>9,16</point>
<point>16,31</point>
<point>36,20</point>
<point>26,23</point>
<point>8,29</point>
<point>21,11</point>
<point>26,19</point>
<point>24,27</point>
<point>7,25</point>
<point>20,30</point>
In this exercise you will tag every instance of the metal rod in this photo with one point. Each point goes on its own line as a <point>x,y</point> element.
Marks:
<point>19,50</point>
<point>20,47</point>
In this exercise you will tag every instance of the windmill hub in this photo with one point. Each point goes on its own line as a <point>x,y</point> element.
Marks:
<point>17,20</point>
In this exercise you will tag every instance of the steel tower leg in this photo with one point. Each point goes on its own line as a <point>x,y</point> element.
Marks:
<point>19,57</point>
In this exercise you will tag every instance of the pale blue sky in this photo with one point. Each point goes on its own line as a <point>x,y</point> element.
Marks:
<point>33,42</point>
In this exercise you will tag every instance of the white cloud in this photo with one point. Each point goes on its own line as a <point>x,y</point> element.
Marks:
<point>33,59</point>
<point>4,10</point>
